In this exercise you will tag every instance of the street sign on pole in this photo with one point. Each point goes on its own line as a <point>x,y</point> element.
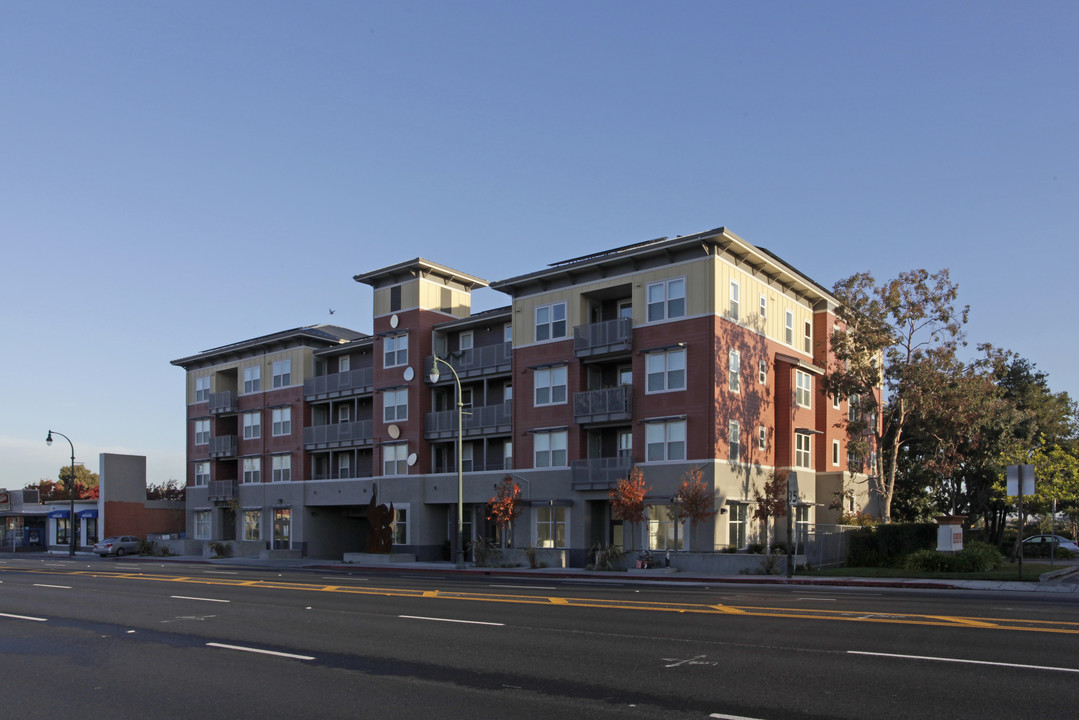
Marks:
<point>1020,483</point>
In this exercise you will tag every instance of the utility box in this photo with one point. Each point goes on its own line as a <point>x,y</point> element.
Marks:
<point>950,533</point>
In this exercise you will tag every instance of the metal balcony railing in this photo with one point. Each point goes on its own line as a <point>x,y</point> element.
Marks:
<point>223,402</point>
<point>350,382</point>
<point>601,338</point>
<point>599,473</point>
<point>221,490</point>
<point>350,434</point>
<point>606,405</point>
<point>475,421</point>
<point>467,466</point>
<point>485,360</point>
<point>223,446</point>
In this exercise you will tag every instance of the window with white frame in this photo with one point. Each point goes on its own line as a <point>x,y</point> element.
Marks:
<point>853,407</point>
<point>282,468</point>
<point>344,364</point>
<point>835,453</point>
<point>344,413</point>
<point>395,350</point>
<point>665,440</point>
<point>666,299</point>
<point>734,441</point>
<point>466,458</point>
<point>344,466</point>
<point>665,371</point>
<point>663,528</point>
<point>801,527</point>
<point>202,432</point>
<point>252,425</point>
<point>252,379</point>
<point>762,372</point>
<point>550,385</point>
<point>803,389</point>
<point>395,459</point>
<point>202,389</point>
<point>803,450</point>
<point>550,322</point>
<point>788,328</point>
<point>762,438</point>
<point>736,525</point>
<point>465,341</point>
<point>282,421</point>
<point>202,525</point>
<point>734,366</point>
<point>400,525</point>
<point>202,473</point>
<point>282,373</point>
<point>252,524</point>
<point>733,307</point>
<point>395,405</point>
<point>835,402</point>
<point>550,449</point>
<point>807,340</point>
<point>550,527</point>
<point>764,308</point>
<point>507,333</point>
<point>252,470</point>
<point>507,455</point>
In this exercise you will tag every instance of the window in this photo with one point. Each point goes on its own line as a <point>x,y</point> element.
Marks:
<point>665,371</point>
<point>734,442</point>
<point>395,350</point>
<point>507,333</point>
<point>665,440</point>
<point>395,459</point>
<point>202,389</point>
<point>395,405</point>
<point>835,453</point>
<point>344,466</point>
<point>762,438</point>
<point>803,393</point>
<point>735,300</point>
<point>803,450</point>
<point>550,449</point>
<point>625,444</point>
<point>835,402</point>
<point>202,432</point>
<point>807,341</point>
<point>734,363</point>
<point>282,468</point>
<point>788,325</point>
<point>625,309</point>
<point>282,373</point>
<point>282,421</point>
<point>344,364</point>
<point>801,527</point>
<point>666,300</point>
<point>625,375</point>
<point>62,525</point>
<point>762,372</point>
<point>465,341</point>
<point>400,526</point>
<point>764,308</point>
<point>202,525</point>
<point>551,527</point>
<point>202,473</point>
<point>395,298</point>
<point>466,458</point>
<point>663,528</point>
<point>252,425</point>
<point>252,470</point>
<point>252,379</point>
<point>550,322</point>
<point>252,524</point>
<point>550,385</point>
<point>507,455</point>
<point>737,524</point>
<point>853,407</point>
<point>344,413</point>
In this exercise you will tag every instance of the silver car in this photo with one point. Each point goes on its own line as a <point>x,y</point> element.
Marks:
<point>119,545</point>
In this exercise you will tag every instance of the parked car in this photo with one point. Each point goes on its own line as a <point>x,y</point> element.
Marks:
<point>119,545</point>
<point>1043,545</point>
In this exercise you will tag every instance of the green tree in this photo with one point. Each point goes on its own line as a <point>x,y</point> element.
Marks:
<point>86,485</point>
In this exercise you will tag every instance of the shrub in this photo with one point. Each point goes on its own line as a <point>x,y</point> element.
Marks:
<point>729,549</point>
<point>485,552</point>
<point>755,549</point>
<point>979,557</point>
<point>220,549</point>
<point>889,545</point>
<point>927,560</point>
<point>771,564</point>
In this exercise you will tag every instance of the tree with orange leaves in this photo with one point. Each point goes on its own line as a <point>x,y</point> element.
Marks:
<point>627,500</point>
<point>773,503</point>
<point>505,506</point>
<point>694,501</point>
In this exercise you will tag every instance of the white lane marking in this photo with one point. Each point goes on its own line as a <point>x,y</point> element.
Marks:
<point>966,662</point>
<point>241,648</point>
<point>524,587</point>
<point>721,716</point>
<point>221,572</point>
<point>186,597</point>
<point>62,587</point>
<point>451,620</point>
<point>23,617</point>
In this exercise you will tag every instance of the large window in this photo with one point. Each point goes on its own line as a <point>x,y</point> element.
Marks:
<point>282,468</point>
<point>202,473</point>
<point>803,384</point>
<point>550,385</point>
<point>735,303</point>
<point>737,524</point>
<point>252,425</point>
<point>734,366</point>
<point>663,528</point>
<point>282,373</point>
<point>803,450</point>
<point>202,432</point>
<point>395,405</point>
<point>202,389</point>
<point>665,371</point>
<point>395,459</point>
<point>666,300</point>
<point>550,322</point>
<point>344,466</point>
<point>252,524</point>
<point>282,421</point>
<point>665,440</point>
<point>202,525</point>
<point>252,379</point>
<point>551,527</point>
<point>395,350</point>
<point>550,449</point>
<point>252,470</point>
<point>734,442</point>
<point>400,526</point>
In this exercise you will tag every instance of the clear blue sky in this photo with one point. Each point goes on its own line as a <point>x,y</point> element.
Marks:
<point>176,176</point>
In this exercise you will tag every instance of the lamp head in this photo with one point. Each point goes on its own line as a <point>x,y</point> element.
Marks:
<point>48,440</point>
<point>434,373</point>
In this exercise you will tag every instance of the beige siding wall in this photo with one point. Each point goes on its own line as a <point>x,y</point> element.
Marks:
<point>425,294</point>
<point>751,288</point>
<point>303,366</point>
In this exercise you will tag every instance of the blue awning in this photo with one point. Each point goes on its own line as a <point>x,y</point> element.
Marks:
<point>92,513</point>
<point>60,514</point>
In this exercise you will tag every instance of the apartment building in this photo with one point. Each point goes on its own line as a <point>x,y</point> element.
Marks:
<point>701,351</point>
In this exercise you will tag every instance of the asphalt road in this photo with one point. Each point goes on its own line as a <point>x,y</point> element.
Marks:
<point>116,639</point>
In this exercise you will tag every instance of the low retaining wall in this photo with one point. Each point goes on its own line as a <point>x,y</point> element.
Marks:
<point>379,558</point>
<point>714,563</point>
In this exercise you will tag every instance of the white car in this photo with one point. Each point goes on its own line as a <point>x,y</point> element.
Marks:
<point>119,546</point>
<point>1041,545</point>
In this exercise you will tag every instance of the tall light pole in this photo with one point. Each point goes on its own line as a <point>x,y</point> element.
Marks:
<point>460,458</point>
<point>71,488</point>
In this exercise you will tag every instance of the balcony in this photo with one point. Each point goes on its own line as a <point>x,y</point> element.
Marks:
<point>599,473</point>
<point>221,490</point>
<point>477,362</point>
<point>469,466</point>
<point>487,420</point>
<point>338,435</point>
<point>223,402</point>
<point>223,446</point>
<point>351,382</point>
<point>607,405</point>
<point>603,338</point>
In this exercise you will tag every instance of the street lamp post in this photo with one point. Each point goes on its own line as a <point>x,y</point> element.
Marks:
<point>71,488</point>
<point>460,457</point>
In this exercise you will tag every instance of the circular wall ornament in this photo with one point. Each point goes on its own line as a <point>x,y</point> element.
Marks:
<point>394,320</point>
<point>409,374</point>
<point>394,431</point>
<point>411,459</point>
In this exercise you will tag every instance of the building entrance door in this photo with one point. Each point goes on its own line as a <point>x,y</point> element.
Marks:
<point>282,528</point>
